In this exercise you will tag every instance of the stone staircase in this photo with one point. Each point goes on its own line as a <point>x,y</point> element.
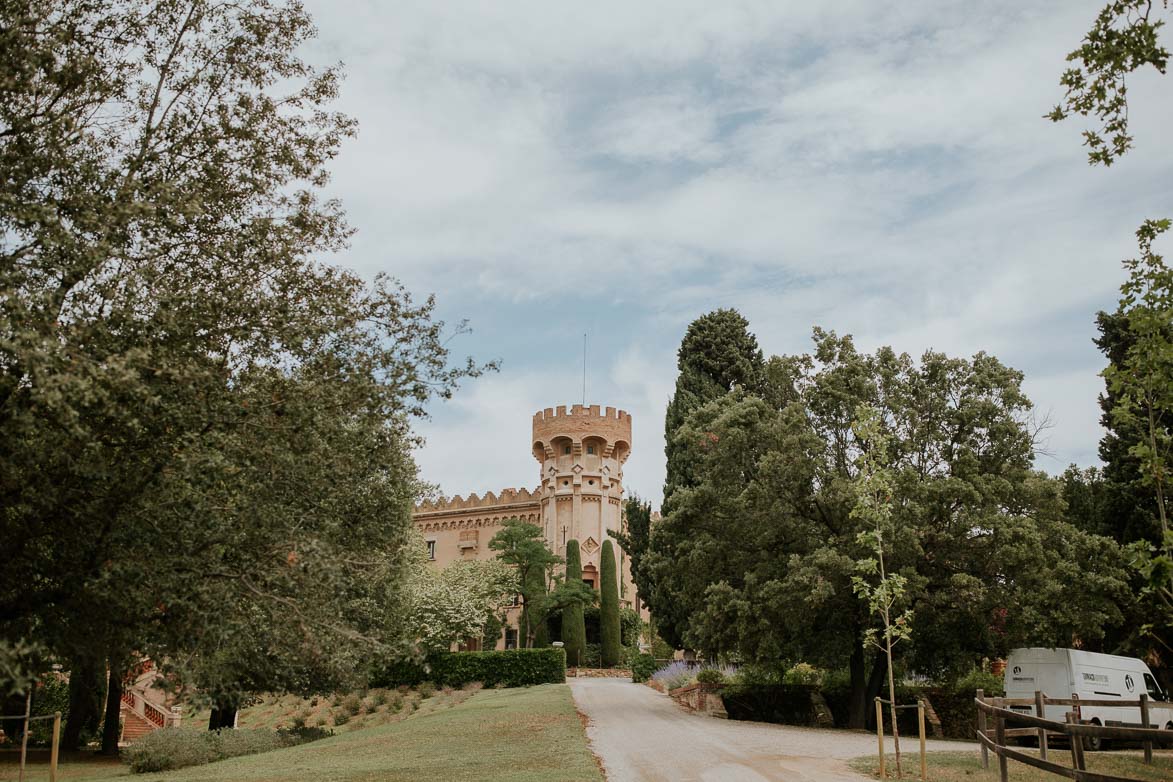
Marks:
<point>142,712</point>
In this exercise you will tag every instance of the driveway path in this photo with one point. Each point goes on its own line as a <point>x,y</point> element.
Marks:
<point>642,736</point>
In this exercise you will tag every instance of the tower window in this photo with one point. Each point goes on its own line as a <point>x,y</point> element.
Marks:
<point>566,450</point>
<point>591,450</point>
<point>431,549</point>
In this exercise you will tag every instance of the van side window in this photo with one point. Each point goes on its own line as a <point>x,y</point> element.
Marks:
<point>1154,689</point>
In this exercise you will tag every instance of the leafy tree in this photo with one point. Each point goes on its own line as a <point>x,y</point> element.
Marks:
<point>1143,395</point>
<point>758,558</point>
<point>633,539</point>
<point>522,545</point>
<point>609,630</point>
<point>1123,39</point>
<point>459,601</point>
<point>873,507</point>
<point>573,624</point>
<point>204,432</point>
<point>717,354</point>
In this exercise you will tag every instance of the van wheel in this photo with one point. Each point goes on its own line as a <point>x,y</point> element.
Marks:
<point>1094,743</point>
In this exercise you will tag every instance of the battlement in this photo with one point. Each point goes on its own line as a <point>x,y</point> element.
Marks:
<point>579,424</point>
<point>510,496</point>
<point>550,414</point>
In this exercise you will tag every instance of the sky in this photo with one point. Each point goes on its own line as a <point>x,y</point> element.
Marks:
<point>617,169</point>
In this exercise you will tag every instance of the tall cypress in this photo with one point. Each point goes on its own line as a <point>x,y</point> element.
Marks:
<point>573,623</point>
<point>609,631</point>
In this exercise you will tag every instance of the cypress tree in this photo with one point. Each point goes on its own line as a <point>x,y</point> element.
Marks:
<point>609,607</point>
<point>533,616</point>
<point>573,624</point>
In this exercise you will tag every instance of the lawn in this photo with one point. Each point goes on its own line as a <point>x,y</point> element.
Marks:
<point>513,735</point>
<point>967,766</point>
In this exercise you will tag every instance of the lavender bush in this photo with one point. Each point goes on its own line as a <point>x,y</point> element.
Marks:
<point>679,673</point>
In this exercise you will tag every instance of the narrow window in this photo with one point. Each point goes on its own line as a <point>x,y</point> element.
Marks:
<point>566,450</point>
<point>431,549</point>
<point>591,450</point>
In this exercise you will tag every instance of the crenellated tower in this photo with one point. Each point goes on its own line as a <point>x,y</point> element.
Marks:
<point>581,452</point>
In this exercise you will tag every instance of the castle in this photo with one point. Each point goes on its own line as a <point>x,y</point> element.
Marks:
<point>580,497</point>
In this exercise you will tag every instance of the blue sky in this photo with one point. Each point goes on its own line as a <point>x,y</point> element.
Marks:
<point>881,169</point>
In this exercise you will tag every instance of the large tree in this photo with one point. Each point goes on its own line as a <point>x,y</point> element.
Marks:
<point>204,432</point>
<point>609,630</point>
<point>523,546</point>
<point>757,559</point>
<point>573,622</point>
<point>634,537</point>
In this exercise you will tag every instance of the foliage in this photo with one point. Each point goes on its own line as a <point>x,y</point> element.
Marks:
<point>1123,39</point>
<point>573,625</point>
<point>610,631</point>
<point>675,674</point>
<point>631,626</point>
<point>204,431</point>
<point>458,602</point>
<point>163,750</point>
<point>642,667</point>
<point>51,695</point>
<point>510,668</point>
<point>633,538</point>
<point>1143,404</point>
<point>873,507</point>
<point>803,673</point>
<point>523,545</point>
<point>757,558</point>
<point>977,679</point>
<point>710,676</point>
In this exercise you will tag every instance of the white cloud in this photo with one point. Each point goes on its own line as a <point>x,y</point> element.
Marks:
<point>877,168</point>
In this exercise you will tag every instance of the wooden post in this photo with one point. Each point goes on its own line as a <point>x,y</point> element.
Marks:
<point>880,736</point>
<point>1076,743</point>
<point>24,739</point>
<point>981,696</point>
<point>54,746</point>
<point>1145,723</point>
<point>1000,740</point>
<point>920,718</point>
<point>1039,712</point>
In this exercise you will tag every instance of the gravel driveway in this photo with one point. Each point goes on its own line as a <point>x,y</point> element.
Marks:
<point>641,734</point>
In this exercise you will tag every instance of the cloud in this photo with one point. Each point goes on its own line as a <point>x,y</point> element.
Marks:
<point>880,168</point>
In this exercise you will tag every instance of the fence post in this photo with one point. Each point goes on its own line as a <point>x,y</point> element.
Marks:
<point>53,751</point>
<point>1039,712</point>
<point>981,696</point>
<point>24,739</point>
<point>1145,723</point>
<point>1076,743</point>
<point>1000,740</point>
<point>880,735</point>
<point>920,718</point>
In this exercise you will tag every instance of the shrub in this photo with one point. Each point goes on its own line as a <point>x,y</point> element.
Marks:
<point>630,626</point>
<point>378,698</point>
<point>642,667</point>
<point>426,689</point>
<point>803,673</point>
<point>979,680</point>
<point>509,668</point>
<point>610,631</point>
<point>341,717</point>
<point>171,748</point>
<point>351,704</point>
<point>710,676</point>
<point>674,675</point>
<point>592,656</point>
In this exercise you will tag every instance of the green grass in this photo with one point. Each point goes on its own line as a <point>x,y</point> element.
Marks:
<point>967,766</point>
<point>514,735</point>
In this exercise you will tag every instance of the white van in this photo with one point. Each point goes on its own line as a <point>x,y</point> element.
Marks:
<point>1059,673</point>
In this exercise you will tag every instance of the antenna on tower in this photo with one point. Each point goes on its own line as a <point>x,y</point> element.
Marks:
<point>584,352</point>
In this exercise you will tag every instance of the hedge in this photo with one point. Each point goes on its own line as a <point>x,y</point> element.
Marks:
<point>509,668</point>
<point>163,750</point>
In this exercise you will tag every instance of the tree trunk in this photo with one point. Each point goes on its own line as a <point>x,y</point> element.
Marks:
<point>85,703</point>
<point>112,729</point>
<point>223,716</point>
<point>857,714</point>
<point>876,678</point>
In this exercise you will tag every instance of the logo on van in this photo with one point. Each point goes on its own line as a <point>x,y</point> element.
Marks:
<point>1129,683</point>
<point>1017,669</point>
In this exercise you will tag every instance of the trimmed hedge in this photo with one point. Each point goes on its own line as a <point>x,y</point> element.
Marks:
<point>509,668</point>
<point>162,750</point>
<point>642,667</point>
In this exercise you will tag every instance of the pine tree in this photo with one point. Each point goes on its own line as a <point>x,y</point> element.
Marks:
<point>609,631</point>
<point>573,624</point>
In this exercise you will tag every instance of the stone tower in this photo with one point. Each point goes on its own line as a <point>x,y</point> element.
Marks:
<point>582,454</point>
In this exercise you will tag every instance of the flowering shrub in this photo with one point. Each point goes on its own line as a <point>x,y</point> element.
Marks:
<point>675,674</point>
<point>710,676</point>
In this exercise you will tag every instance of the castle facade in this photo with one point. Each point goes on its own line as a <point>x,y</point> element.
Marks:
<point>579,496</point>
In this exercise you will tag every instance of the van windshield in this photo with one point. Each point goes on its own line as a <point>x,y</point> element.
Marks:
<point>1154,689</point>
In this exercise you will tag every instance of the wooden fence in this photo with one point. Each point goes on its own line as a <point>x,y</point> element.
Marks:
<point>24,741</point>
<point>997,710</point>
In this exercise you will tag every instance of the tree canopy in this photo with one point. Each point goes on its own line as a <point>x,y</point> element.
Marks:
<point>757,558</point>
<point>205,430</point>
